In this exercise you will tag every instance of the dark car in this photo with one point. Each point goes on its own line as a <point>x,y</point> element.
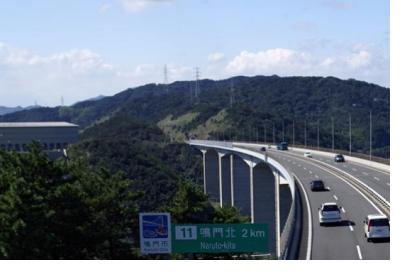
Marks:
<point>283,146</point>
<point>263,149</point>
<point>317,185</point>
<point>339,158</point>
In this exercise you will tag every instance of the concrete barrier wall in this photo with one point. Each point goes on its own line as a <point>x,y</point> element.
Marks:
<point>285,198</point>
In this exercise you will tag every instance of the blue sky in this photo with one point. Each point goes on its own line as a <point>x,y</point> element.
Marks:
<point>81,49</point>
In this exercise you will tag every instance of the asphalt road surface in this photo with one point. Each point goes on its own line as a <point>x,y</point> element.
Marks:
<point>345,240</point>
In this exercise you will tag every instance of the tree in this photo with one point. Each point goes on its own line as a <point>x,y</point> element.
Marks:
<point>64,210</point>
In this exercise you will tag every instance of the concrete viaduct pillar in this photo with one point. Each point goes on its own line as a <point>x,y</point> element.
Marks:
<point>249,184</point>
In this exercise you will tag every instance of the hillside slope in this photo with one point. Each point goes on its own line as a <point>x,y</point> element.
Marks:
<point>245,108</point>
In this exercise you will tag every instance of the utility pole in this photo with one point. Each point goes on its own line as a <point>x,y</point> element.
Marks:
<point>370,135</point>
<point>350,134</point>
<point>333,136</point>
<point>305,133</point>
<point>318,136</point>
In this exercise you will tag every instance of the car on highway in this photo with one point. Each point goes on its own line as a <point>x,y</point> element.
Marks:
<point>317,185</point>
<point>263,149</point>
<point>339,158</point>
<point>307,154</point>
<point>282,146</point>
<point>329,212</point>
<point>376,227</point>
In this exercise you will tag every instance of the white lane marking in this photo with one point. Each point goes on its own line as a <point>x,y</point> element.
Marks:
<point>364,173</point>
<point>354,169</point>
<point>351,228</point>
<point>310,172</point>
<point>316,176</point>
<point>388,184</point>
<point>309,243</point>
<point>359,252</point>
<point>304,168</point>
<point>376,178</point>
<point>335,197</point>
<point>343,210</point>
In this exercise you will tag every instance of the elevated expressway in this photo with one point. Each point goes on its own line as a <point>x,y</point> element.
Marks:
<point>360,187</point>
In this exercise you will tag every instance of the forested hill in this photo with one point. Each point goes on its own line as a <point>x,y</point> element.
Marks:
<point>239,106</point>
<point>131,157</point>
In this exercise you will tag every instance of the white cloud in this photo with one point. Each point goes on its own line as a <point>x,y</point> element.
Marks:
<point>216,57</point>
<point>359,62</point>
<point>328,61</point>
<point>133,6</point>
<point>76,74</point>
<point>104,8</point>
<point>277,60</point>
<point>338,5</point>
<point>79,74</point>
<point>359,59</point>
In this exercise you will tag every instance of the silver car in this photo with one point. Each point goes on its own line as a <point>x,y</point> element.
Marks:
<point>329,212</point>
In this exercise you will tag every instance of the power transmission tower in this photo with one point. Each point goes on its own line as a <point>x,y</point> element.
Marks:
<point>197,89</point>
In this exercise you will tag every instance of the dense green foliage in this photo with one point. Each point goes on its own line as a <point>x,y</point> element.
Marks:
<point>67,209</point>
<point>259,102</point>
<point>63,210</point>
<point>87,207</point>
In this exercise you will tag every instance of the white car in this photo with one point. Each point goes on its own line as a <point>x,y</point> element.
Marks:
<point>307,154</point>
<point>376,226</point>
<point>329,212</point>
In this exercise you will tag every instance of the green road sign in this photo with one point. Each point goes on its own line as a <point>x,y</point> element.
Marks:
<point>220,238</point>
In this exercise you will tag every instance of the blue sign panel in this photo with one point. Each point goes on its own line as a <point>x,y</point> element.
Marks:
<point>155,233</point>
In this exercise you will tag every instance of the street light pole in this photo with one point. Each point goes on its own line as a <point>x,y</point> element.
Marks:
<point>257,135</point>
<point>264,132</point>
<point>273,133</point>
<point>370,135</point>
<point>283,131</point>
<point>318,132</point>
<point>305,133</point>
<point>333,136</point>
<point>350,134</point>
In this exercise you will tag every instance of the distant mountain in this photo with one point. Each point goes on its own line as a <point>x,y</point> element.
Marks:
<point>99,97</point>
<point>8,110</point>
<point>254,107</point>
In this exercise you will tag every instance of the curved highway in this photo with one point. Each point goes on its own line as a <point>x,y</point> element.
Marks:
<point>378,180</point>
<point>344,241</point>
